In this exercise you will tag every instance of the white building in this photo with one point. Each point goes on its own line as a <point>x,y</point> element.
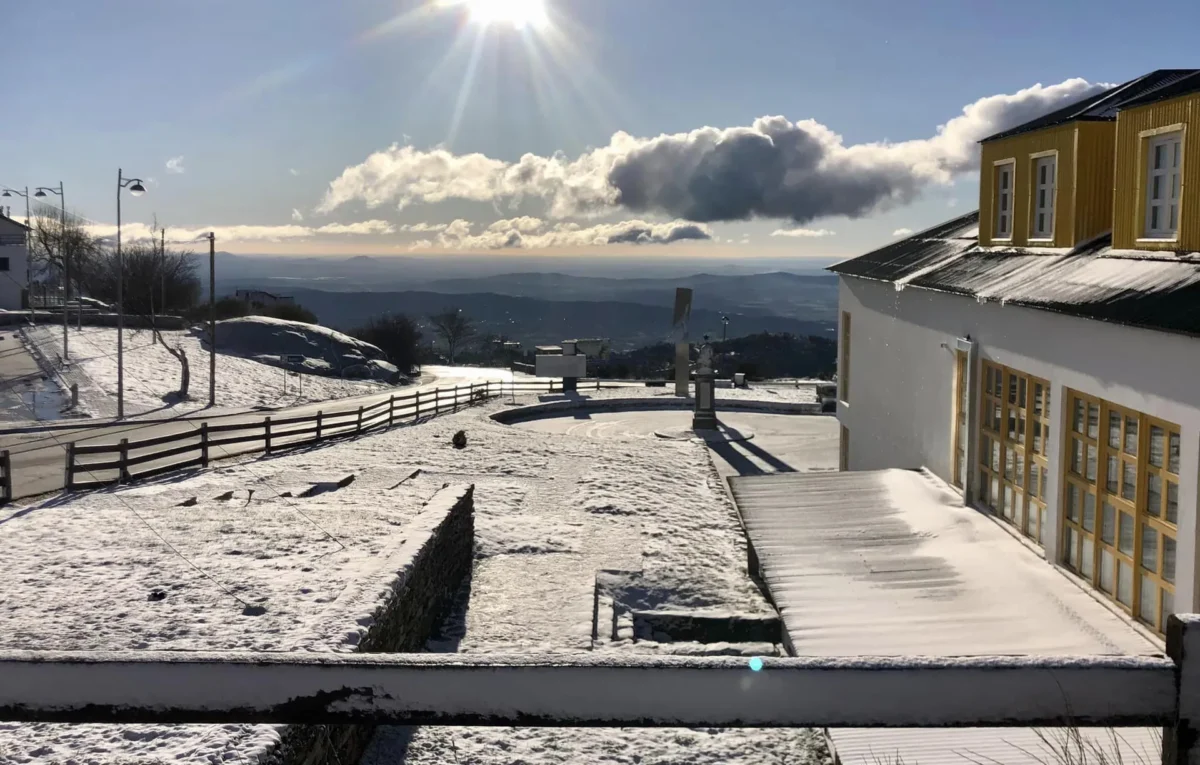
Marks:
<point>1042,355</point>
<point>14,263</point>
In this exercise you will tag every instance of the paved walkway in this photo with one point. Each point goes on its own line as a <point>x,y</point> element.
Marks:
<point>24,391</point>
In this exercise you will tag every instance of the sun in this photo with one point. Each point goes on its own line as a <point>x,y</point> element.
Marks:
<point>516,13</point>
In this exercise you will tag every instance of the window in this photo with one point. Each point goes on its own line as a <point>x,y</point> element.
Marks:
<point>1014,437</point>
<point>3,264</point>
<point>1004,198</point>
<point>961,408</point>
<point>1044,169</point>
<point>1163,161</point>
<point>1121,505</point>
<point>844,362</point>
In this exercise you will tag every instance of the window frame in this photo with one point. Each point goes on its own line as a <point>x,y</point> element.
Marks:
<point>1150,140</point>
<point>1037,161</point>
<point>1000,166</point>
<point>962,407</point>
<point>844,361</point>
<point>1000,397</point>
<point>1132,451</point>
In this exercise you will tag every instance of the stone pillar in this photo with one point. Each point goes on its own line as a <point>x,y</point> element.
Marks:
<point>705,416</point>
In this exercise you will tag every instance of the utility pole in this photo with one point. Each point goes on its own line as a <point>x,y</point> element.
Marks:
<point>212,319</point>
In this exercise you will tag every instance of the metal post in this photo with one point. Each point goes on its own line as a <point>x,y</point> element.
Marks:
<point>120,307</point>
<point>204,444</point>
<point>66,268</point>
<point>212,318</point>
<point>267,425</point>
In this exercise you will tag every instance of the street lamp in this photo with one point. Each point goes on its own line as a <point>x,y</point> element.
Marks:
<point>136,189</point>
<point>724,326</point>
<point>28,246</point>
<point>40,193</point>
<point>211,236</point>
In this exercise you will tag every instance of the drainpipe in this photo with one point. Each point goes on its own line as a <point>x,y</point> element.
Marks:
<point>970,470</point>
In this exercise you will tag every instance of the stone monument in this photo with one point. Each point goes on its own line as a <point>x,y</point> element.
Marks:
<point>705,415</point>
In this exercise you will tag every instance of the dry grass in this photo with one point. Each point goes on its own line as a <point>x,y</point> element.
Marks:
<point>1063,746</point>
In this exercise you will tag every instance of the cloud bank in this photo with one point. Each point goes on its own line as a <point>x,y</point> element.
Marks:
<point>534,233</point>
<point>140,231</point>
<point>175,165</point>
<point>803,233</point>
<point>772,169</point>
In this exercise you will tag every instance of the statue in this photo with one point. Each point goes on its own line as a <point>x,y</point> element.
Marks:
<point>705,361</point>
<point>705,416</point>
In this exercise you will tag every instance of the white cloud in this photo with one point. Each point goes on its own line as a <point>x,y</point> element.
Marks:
<point>293,171</point>
<point>952,203</point>
<point>421,244</point>
<point>773,168</point>
<point>175,164</point>
<point>297,215</point>
<point>250,233</point>
<point>902,232</point>
<point>803,232</point>
<point>534,233</point>
<point>422,228</point>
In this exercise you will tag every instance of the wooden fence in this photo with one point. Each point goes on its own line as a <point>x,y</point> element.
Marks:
<point>6,489</point>
<point>90,466</point>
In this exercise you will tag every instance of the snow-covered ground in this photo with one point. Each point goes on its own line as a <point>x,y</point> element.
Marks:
<point>550,511</point>
<point>152,374</point>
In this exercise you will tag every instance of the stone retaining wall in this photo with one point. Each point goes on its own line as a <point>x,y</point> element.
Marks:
<point>423,578</point>
<point>534,411</point>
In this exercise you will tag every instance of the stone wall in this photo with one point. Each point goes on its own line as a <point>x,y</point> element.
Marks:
<point>91,319</point>
<point>551,408</point>
<point>435,559</point>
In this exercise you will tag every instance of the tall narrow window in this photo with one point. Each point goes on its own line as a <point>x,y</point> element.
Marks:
<point>1121,497</point>
<point>961,397</point>
<point>1044,170</point>
<point>1014,434</point>
<point>1004,199</point>
<point>844,361</point>
<point>1164,158</point>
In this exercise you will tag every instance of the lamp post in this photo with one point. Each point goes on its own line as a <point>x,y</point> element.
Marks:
<point>724,326</point>
<point>212,318</point>
<point>136,189</point>
<point>28,245</point>
<point>66,256</point>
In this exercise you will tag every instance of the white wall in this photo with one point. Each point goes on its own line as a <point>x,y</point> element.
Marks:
<point>15,279</point>
<point>900,402</point>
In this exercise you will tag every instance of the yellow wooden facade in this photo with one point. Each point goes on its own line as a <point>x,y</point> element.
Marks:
<point>1083,188</point>
<point>1129,199</point>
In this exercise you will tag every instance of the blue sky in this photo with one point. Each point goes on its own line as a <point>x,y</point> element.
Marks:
<point>269,102</point>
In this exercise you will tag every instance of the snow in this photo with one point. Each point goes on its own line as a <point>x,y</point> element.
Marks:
<point>152,374</point>
<point>550,511</point>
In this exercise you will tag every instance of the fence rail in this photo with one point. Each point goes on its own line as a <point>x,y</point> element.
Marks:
<point>90,466</point>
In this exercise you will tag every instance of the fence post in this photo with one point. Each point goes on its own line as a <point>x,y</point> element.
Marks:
<point>1180,741</point>
<point>358,429</point>
<point>69,483</point>
<point>391,409</point>
<point>124,458</point>
<point>267,437</point>
<point>204,444</point>
<point>318,425</point>
<point>471,396</point>
<point>6,463</point>
<point>437,400</point>
<point>417,407</point>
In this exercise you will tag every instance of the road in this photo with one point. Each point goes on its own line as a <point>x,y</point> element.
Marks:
<point>38,459</point>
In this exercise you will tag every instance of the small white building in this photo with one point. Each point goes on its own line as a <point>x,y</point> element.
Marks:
<point>14,263</point>
<point>1042,354</point>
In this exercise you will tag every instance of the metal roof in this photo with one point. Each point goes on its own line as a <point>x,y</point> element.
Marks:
<point>889,562</point>
<point>1157,290</point>
<point>1104,106</point>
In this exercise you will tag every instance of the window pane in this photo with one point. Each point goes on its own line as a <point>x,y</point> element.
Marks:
<point>1173,216</point>
<point>1086,554</point>
<point>1157,436</point>
<point>1076,456</point>
<point>1112,476</point>
<point>1153,494</point>
<point>1093,430</point>
<point>1148,607</point>
<point>1108,524</point>
<point>983,490</point>
<point>996,455</point>
<point>1168,605</point>
<point>1131,435</point>
<point>1033,481</point>
<point>1073,548</point>
<point>1012,388</point>
<point>1019,473</point>
<point>1114,430</point>
<point>1124,583</point>
<point>1073,502</point>
<point>1172,502</point>
<point>1128,481</point>
<point>1012,424</point>
<point>1089,512</point>
<point>1031,520</point>
<point>1156,188</point>
<point>1091,463</point>
<point>1154,211</point>
<point>1004,178</point>
<point>1168,562</point>
<point>1041,220</point>
<point>1037,438</point>
<point>1106,571</point>
<point>1022,392</point>
<point>1160,156</point>
<point>996,417</point>
<point>1042,495</point>
<point>1042,521</point>
<point>1008,501</point>
<point>1042,179</point>
<point>1018,510</point>
<point>1173,453</point>
<point>1125,533</point>
<point>996,499</point>
<point>1077,416</point>
<point>987,377</point>
<point>1020,427</point>
<point>1149,548</point>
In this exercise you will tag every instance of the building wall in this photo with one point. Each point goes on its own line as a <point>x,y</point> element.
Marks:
<point>899,407</point>
<point>1095,147</point>
<point>16,278</point>
<point>1129,197</point>
<point>1019,148</point>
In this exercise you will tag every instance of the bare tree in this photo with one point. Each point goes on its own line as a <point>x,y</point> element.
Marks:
<point>53,244</point>
<point>454,328</point>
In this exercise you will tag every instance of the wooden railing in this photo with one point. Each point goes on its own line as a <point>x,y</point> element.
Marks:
<point>89,466</point>
<point>6,486</point>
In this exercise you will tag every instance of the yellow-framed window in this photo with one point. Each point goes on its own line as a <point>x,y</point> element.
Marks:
<point>1121,505</point>
<point>961,409</point>
<point>1013,441</point>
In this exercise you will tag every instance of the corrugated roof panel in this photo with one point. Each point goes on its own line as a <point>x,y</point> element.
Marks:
<point>921,250</point>
<point>887,563</point>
